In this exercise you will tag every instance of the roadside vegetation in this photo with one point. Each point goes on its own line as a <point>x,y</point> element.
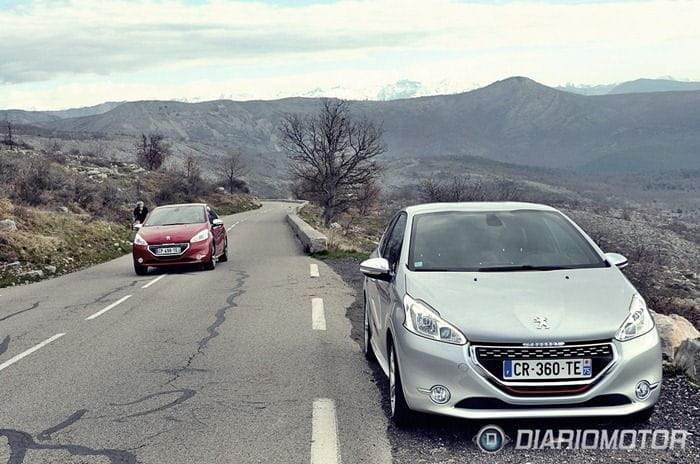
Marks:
<point>63,210</point>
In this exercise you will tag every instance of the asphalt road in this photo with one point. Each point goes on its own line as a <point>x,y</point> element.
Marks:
<point>189,366</point>
<point>256,361</point>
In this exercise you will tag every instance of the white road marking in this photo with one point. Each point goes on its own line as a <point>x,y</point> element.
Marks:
<point>313,270</point>
<point>31,350</point>
<point>154,281</point>
<point>102,311</point>
<point>324,433</point>
<point>234,225</point>
<point>318,318</point>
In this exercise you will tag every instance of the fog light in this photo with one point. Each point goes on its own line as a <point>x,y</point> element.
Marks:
<point>439,394</point>
<point>642,390</point>
<point>200,256</point>
<point>140,260</point>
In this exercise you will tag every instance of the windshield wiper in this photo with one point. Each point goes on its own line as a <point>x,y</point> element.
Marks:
<point>523,267</point>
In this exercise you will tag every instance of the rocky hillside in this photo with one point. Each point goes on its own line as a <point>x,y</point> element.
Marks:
<point>60,212</point>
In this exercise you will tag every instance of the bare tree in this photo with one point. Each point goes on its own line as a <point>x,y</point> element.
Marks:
<point>152,151</point>
<point>8,138</point>
<point>193,175</point>
<point>331,155</point>
<point>233,168</point>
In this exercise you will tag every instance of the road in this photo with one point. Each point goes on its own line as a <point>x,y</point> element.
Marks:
<point>188,366</point>
<point>258,361</point>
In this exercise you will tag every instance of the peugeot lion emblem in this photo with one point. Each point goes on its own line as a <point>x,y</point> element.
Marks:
<point>167,237</point>
<point>541,322</point>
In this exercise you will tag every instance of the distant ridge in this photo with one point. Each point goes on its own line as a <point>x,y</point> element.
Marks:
<point>515,120</point>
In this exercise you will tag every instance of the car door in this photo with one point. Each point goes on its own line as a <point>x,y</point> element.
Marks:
<point>387,295</point>
<point>371,284</point>
<point>218,232</point>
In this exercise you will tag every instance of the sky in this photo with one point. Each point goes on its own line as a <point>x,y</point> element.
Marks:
<point>57,54</point>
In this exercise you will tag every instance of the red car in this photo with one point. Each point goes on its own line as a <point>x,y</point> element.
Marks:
<point>180,234</point>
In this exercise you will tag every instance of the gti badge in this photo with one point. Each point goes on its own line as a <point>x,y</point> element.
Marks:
<point>541,322</point>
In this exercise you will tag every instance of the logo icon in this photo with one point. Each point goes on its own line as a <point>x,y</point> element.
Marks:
<point>167,237</point>
<point>491,439</point>
<point>541,322</point>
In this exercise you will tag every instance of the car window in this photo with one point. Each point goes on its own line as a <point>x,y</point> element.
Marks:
<point>395,241</point>
<point>498,241</point>
<point>212,214</point>
<point>385,237</point>
<point>176,215</point>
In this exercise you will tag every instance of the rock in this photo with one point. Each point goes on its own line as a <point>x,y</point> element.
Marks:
<point>63,209</point>
<point>220,189</point>
<point>688,358</point>
<point>50,269</point>
<point>335,225</point>
<point>13,265</point>
<point>8,224</point>
<point>673,330</point>
<point>36,273</point>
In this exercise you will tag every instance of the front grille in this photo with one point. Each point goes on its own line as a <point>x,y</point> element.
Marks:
<point>612,399</point>
<point>491,358</point>
<point>154,249</point>
<point>558,352</point>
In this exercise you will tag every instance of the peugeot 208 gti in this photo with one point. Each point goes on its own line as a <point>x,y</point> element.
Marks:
<point>506,310</point>
<point>180,234</point>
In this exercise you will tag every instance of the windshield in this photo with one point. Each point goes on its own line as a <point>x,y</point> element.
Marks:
<point>176,215</point>
<point>498,241</point>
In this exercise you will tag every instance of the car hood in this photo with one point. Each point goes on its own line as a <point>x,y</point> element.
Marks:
<point>580,305</point>
<point>178,234</point>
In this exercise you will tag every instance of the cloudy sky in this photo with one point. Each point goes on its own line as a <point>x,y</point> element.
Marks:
<point>56,54</point>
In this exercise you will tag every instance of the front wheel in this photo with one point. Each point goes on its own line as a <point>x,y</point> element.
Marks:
<point>224,256</point>
<point>211,264</point>
<point>401,414</point>
<point>367,347</point>
<point>640,417</point>
<point>140,270</point>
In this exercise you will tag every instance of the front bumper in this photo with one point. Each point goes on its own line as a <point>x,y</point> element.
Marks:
<point>424,363</point>
<point>197,253</point>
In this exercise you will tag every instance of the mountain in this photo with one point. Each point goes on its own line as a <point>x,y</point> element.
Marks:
<point>85,111</point>
<point>516,120</point>
<point>636,86</point>
<point>654,85</point>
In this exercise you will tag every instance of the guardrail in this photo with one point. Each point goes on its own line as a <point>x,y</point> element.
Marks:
<point>312,240</point>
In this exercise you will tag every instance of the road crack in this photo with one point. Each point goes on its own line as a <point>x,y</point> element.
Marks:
<point>33,306</point>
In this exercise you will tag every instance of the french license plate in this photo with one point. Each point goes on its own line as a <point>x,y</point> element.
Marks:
<point>168,251</point>
<point>538,369</point>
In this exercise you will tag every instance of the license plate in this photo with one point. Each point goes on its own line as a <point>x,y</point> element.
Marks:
<point>547,369</point>
<point>168,251</point>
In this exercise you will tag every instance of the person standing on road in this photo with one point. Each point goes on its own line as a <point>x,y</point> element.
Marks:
<point>140,212</point>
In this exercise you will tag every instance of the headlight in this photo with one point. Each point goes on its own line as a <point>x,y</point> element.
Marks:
<point>638,321</point>
<point>203,235</point>
<point>138,240</point>
<point>422,320</point>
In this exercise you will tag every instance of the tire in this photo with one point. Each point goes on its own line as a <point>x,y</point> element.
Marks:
<point>211,264</point>
<point>641,417</point>
<point>140,270</point>
<point>401,414</point>
<point>224,256</point>
<point>367,347</point>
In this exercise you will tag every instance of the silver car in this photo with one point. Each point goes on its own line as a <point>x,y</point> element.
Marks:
<point>506,310</point>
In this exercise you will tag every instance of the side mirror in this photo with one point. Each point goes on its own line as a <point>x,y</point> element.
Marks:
<point>376,268</point>
<point>217,223</point>
<point>616,260</point>
<point>138,226</point>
